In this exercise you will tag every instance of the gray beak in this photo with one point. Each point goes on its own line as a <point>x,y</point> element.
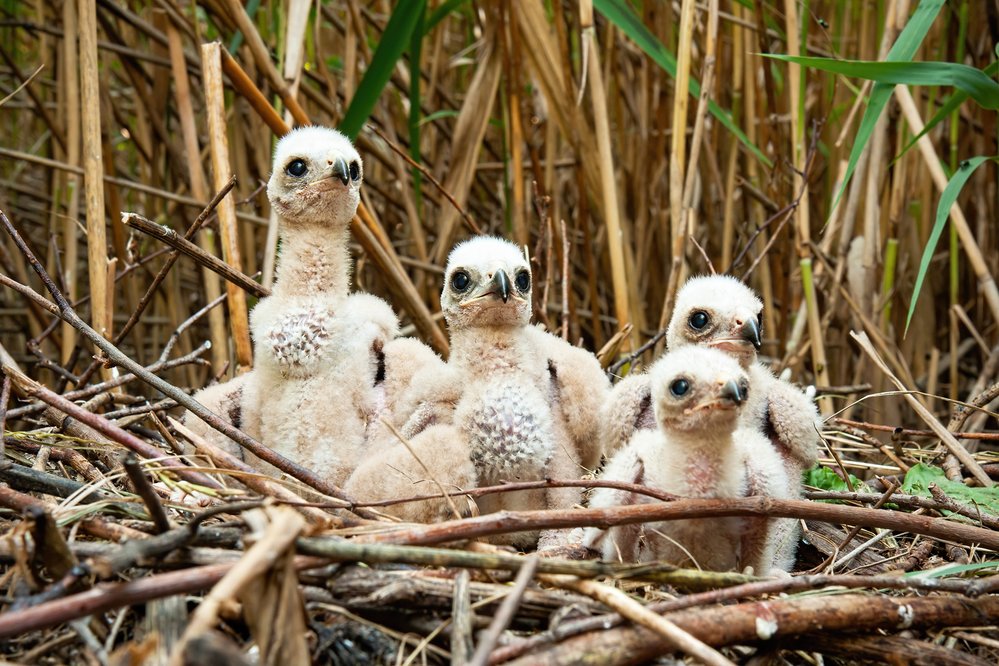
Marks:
<point>501,285</point>
<point>751,333</point>
<point>341,171</point>
<point>733,392</point>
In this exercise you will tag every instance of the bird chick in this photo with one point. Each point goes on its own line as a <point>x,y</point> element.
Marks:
<point>720,311</point>
<point>318,348</point>
<point>723,313</point>
<point>326,368</point>
<point>514,403</point>
<point>698,397</point>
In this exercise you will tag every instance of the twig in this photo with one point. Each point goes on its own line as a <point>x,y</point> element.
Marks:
<point>33,389</point>
<point>284,526</point>
<point>505,613</point>
<point>970,588</point>
<point>506,522</point>
<point>764,620</point>
<point>66,312</point>
<point>189,249</point>
<point>187,323</point>
<point>911,432</point>
<point>115,595</point>
<point>675,637</point>
<point>630,358</point>
<point>472,226</point>
<point>913,502</point>
<point>145,490</point>
<point>95,389</point>
<point>945,436</point>
<point>4,400</point>
<point>172,259</point>
<point>339,549</point>
<point>461,620</point>
<point>531,485</point>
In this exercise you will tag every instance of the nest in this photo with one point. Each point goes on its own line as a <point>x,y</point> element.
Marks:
<point>176,559</point>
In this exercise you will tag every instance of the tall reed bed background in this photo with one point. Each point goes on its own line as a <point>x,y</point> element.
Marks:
<point>626,145</point>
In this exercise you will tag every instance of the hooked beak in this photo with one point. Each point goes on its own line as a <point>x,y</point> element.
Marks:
<point>340,170</point>
<point>500,285</point>
<point>729,396</point>
<point>732,392</point>
<point>750,332</point>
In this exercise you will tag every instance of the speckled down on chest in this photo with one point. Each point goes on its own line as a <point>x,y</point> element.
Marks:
<point>299,339</point>
<point>510,433</point>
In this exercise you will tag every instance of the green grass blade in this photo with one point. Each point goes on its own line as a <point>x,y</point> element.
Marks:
<point>237,39</point>
<point>947,199</point>
<point>441,13</point>
<point>621,15</point>
<point>948,107</point>
<point>394,41</point>
<point>902,50</point>
<point>974,82</point>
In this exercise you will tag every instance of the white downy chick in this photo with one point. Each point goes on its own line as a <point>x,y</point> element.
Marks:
<point>721,312</point>
<point>514,403</point>
<point>698,396</point>
<point>326,366</point>
<point>319,349</point>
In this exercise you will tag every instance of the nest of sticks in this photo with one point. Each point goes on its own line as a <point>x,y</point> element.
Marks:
<point>118,549</point>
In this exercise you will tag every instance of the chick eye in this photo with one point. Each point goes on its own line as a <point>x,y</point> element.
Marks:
<point>523,281</point>
<point>296,168</point>
<point>679,387</point>
<point>698,320</point>
<point>460,281</point>
<point>355,171</point>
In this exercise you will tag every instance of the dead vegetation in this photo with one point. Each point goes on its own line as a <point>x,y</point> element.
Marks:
<point>548,124</point>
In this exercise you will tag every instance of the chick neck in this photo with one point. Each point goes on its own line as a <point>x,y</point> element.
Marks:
<point>707,458</point>
<point>313,261</point>
<point>487,350</point>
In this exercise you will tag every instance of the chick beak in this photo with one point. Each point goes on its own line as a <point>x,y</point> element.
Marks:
<point>340,170</point>
<point>750,332</point>
<point>500,285</point>
<point>732,392</point>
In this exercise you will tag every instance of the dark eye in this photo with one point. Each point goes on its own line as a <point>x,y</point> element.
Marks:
<point>698,320</point>
<point>523,281</point>
<point>679,387</point>
<point>355,171</point>
<point>296,168</point>
<point>460,281</point>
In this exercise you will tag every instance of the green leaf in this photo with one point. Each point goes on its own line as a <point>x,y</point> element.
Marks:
<point>824,478</point>
<point>947,199</point>
<point>441,13</point>
<point>970,80</point>
<point>237,39</point>
<point>621,15</point>
<point>437,115</point>
<point>919,478</point>
<point>952,103</point>
<point>390,49</point>
<point>902,50</point>
<point>952,570</point>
